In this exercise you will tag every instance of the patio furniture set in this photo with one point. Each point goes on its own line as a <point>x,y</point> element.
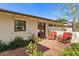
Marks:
<point>65,38</point>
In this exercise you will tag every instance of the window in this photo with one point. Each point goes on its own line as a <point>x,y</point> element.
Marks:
<point>19,25</point>
<point>50,24</point>
<point>54,25</point>
<point>60,25</point>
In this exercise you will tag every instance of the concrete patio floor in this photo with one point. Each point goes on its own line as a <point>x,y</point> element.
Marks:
<point>50,47</point>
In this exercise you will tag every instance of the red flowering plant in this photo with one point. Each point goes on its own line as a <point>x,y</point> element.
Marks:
<point>52,36</point>
<point>65,38</point>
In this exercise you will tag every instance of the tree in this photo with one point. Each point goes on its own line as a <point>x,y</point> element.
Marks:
<point>71,10</point>
<point>62,20</point>
<point>74,18</point>
<point>78,22</point>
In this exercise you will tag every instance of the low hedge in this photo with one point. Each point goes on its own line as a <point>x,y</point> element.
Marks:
<point>16,43</point>
<point>3,46</point>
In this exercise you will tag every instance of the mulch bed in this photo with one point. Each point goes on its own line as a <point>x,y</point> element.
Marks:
<point>16,52</point>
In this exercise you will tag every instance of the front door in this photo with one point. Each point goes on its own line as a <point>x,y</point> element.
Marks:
<point>41,29</point>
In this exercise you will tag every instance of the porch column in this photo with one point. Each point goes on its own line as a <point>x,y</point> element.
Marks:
<point>47,30</point>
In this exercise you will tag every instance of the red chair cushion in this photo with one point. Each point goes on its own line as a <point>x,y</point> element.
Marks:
<point>52,34</point>
<point>62,38</point>
<point>67,35</point>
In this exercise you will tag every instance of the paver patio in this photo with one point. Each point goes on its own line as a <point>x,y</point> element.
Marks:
<point>52,47</point>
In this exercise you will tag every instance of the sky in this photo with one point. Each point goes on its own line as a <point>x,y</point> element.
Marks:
<point>45,10</point>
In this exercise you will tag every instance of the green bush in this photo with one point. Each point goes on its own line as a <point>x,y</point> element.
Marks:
<point>16,43</point>
<point>3,46</point>
<point>34,39</point>
<point>73,50</point>
<point>32,46</point>
<point>32,50</point>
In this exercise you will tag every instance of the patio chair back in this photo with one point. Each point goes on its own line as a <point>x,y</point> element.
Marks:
<point>65,38</point>
<point>52,35</point>
<point>67,35</point>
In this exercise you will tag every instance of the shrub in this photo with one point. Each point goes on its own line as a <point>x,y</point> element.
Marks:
<point>3,46</point>
<point>32,50</point>
<point>34,39</point>
<point>73,50</point>
<point>32,47</point>
<point>18,42</point>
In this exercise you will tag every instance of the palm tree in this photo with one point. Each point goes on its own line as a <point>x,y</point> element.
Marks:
<point>78,22</point>
<point>71,11</point>
<point>74,18</point>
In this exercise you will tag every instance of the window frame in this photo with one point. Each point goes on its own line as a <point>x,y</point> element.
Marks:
<point>19,29</point>
<point>51,25</point>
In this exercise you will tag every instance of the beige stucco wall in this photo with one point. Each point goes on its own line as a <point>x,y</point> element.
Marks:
<point>7,26</point>
<point>57,28</point>
<point>7,32</point>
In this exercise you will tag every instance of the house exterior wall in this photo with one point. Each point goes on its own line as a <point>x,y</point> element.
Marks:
<point>59,26</point>
<point>7,32</point>
<point>69,29</point>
